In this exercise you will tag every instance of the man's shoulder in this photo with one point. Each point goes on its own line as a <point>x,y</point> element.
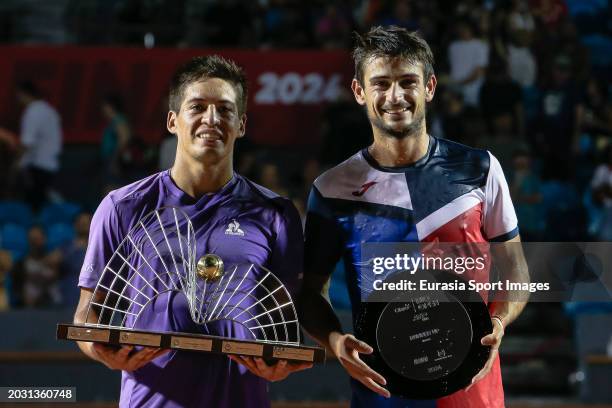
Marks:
<point>138,190</point>
<point>41,108</point>
<point>349,170</point>
<point>251,191</point>
<point>450,151</point>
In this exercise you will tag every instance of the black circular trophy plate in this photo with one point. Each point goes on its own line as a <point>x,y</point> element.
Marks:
<point>427,343</point>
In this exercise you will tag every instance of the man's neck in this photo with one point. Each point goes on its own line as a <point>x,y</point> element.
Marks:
<point>393,152</point>
<point>197,179</point>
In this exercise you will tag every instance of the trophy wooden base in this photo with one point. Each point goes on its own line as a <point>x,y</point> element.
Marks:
<point>190,342</point>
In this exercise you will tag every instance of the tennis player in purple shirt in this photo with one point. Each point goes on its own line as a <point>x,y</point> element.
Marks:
<point>232,217</point>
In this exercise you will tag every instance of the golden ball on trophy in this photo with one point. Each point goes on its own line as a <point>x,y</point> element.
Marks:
<point>210,267</point>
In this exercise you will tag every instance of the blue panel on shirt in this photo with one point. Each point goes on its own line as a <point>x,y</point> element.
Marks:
<point>448,171</point>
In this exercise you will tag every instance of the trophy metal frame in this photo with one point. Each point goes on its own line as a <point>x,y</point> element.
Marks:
<point>157,259</point>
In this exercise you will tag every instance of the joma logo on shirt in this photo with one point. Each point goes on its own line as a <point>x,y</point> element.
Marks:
<point>234,229</point>
<point>364,188</point>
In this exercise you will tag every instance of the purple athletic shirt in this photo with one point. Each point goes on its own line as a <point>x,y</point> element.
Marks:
<point>272,238</point>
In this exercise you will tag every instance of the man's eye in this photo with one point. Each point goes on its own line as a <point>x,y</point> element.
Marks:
<point>195,108</point>
<point>407,84</point>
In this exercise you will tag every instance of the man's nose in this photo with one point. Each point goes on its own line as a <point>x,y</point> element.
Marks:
<point>211,116</point>
<point>395,93</point>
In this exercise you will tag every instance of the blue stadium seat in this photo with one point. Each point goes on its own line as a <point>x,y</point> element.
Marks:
<point>59,234</point>
<point>600,47</point>
<point>58,213</point>
<point>14,238</point>
<point>15,212</point>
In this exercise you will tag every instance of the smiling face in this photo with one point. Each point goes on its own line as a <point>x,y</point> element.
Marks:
<point>208,121</point>
<point>394,93</point>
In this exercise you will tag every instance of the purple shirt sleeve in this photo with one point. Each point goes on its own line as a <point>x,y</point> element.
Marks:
<point>288,251</point>
<point>104,238</point>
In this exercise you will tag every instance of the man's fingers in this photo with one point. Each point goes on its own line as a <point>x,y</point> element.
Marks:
<point>152,354</point>
<point>489,340</point>
<point>107,351</point>
<point>485,370</point>
<point>294,367</point>
<point>143,357</point>
<point>160,352</point>
<point>111,357</point>
<point>124,351</point>
<point>360,346</point>
<point>251,365</point>
<point>280,369</point>
<point>264,368</point>
<point>481,374</point>
<point>248,363</point>
<point>372,385</point>
<point>365,370</point>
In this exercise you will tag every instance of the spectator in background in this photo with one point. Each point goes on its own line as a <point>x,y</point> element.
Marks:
<point>6,263</point>
<point>72,256</point>
<point>301,181</point>
<point>597,117</point>
<point>520,27</point>
<point>9,143</point>
<point>500,95</point>
<point>247,164</point>
<point>221,14</point>
<point>549,12</point>
<point>452,109</point>
<point>520,18</point>
<point>116,137</point>
<point>523,67</point>
<point>310,171</point>
<point>40,143</point>
<point>269,178</point>
<point>601,186</point>
<point>568,42</point>
<point>300,205</point>
<point>167,151</point>
<point>525,189</point>
<point>34,278</point>
<point>401,16</point>
<point>502,139</point>
<point>559,118</point>
<point>344,128</point>
<point>287,24</point>
<point>468,57</point>
<point>333,28</point>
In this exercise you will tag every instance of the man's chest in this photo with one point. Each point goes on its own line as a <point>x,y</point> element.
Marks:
<point>440,204</point>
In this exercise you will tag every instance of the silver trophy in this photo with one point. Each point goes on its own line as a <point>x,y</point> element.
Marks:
<point>156,265</point>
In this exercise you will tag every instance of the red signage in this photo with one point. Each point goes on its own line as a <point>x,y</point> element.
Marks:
<point>288,89</point>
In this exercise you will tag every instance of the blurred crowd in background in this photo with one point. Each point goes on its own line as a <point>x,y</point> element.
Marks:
<point>527,79</point>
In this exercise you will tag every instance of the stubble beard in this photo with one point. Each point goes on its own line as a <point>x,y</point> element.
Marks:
<point>413,129</point>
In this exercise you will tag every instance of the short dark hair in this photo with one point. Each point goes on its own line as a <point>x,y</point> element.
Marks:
<point>210,66</point>
<point>114,101</point>
<point>391,41</point>
<point>29,88</point>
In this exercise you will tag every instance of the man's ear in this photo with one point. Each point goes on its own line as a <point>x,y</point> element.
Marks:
<point>430,88</point>
<point>242,126</point>
<point>358,92</point>
<point>171,122</point>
